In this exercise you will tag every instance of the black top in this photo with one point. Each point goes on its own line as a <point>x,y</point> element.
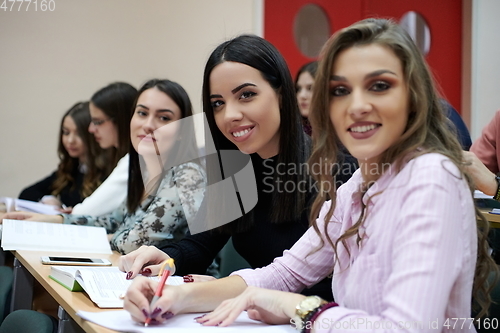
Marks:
<point>69,196</point>
<point>259,244</point>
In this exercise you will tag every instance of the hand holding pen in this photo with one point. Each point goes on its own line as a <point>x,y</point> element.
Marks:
<point>165,271</point>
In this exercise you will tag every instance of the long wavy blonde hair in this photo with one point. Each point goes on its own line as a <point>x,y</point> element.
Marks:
<point>427,129</point>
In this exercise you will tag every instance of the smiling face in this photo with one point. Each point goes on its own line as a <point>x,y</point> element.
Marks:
<point>71,140</point>
<point>153,125</point>
<point>246,108</point>
<point>104,129</point>
<point>368,100</point>
<point>304,92</point>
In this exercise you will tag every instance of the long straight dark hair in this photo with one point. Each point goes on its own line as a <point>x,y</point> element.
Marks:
<point>183,150</point>
<point>258,53</point>
<point>95,161</point>
<point>116,100</point>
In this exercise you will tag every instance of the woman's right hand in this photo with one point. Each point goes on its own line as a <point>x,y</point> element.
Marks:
<point>139,295</point>
<point>145,260</point>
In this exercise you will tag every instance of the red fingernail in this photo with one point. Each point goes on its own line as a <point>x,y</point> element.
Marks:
<point>129,275</point>
<point>188,278</point>
<point>146,272</point>
<point>199,317</point>
<point>145,313</point>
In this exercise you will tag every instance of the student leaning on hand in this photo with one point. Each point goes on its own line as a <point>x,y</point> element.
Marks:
<point>166,184</point>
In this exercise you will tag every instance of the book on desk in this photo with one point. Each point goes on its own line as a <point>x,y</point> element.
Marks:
<point>105,286</point>
<point>41,236</point>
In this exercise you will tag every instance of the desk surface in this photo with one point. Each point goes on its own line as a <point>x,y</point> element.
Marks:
<point>70,301</point>
<point>494,219</point>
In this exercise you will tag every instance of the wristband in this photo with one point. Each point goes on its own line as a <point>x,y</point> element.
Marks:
<point>497,194</point>
<point>313,315</point>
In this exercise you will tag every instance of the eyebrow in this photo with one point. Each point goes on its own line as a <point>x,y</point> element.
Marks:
<point>161,110</point>
<point>368,76</point>
<point>235,90</point>
<point>241,86</point>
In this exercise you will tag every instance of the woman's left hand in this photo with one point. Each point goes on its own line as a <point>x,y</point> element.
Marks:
<point>268,306</point>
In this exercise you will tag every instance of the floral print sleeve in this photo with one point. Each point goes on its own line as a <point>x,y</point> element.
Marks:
<point>161,219</point>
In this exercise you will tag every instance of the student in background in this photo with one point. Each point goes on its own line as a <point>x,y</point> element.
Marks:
<point>111,108</point>
<point>82,165</point>
<point>304,83</point>
<point>164,189</point>
<point>412,265</point>
<point>250,104</point>
<point>483,162</point>
<point>487,146</point>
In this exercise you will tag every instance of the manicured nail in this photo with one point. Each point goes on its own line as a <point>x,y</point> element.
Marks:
<point>167,315</point>
<point>146,272</point>
<point>188,278</point>
<point>196,318</point>
<point>155,312</point>
<point>145,313</point>
<point>129,275</point>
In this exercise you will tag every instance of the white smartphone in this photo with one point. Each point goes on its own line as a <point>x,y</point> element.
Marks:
<point>49,260</point>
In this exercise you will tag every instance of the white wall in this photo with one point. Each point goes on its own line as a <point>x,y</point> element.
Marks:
<point>485,69</point>
<point>50,60</point>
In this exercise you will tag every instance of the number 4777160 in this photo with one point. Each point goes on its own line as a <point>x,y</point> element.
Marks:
<point>28,5</point>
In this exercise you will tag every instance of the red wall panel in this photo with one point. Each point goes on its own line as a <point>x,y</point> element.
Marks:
<point>279,17</point>
<point>444,18</point>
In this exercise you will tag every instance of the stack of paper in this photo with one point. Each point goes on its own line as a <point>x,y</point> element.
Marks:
<point>480,195</point>
<point>121,321</point>
<point>41,236</point>
<point>13,204</point>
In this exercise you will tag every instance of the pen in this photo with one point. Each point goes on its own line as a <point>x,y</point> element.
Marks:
<point>165,271</point>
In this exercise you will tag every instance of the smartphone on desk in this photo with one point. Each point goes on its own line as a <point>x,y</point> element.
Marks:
<point>49,260</point>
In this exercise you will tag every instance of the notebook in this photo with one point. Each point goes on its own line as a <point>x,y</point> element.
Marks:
<point>120,321</point>
<point>13,204</point>
<point>105,286</point>
<point>41,236</point>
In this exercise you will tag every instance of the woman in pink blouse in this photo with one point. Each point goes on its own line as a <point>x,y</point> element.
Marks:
<point>400,237</point>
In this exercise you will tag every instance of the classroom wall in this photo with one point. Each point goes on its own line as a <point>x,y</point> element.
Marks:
<point>485,68</point>
<point>50,60</point>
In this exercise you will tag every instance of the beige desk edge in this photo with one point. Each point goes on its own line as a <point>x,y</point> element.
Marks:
<point>70,301</point>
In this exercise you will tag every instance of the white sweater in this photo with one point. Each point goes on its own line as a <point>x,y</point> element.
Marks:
<point>107,197</point>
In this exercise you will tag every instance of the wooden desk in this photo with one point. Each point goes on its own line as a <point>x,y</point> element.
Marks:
<point>71,302</point>
<point>494,219</point>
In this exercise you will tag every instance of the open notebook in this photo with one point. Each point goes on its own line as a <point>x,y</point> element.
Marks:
<point>41,236</point>
<point>104,285</point>
<point>13,204</point>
